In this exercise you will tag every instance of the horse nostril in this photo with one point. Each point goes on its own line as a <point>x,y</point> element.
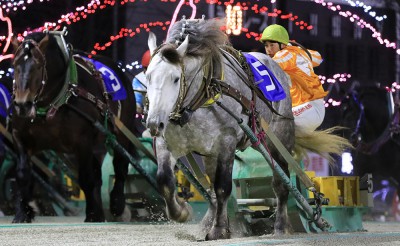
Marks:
<point>161,126</point>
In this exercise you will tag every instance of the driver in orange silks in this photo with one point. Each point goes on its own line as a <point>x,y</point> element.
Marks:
<point>306,90</point>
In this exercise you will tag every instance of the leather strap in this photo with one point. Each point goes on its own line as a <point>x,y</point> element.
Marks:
<point>286,155</point>
<point>134,139</point>
<point>201,177</point>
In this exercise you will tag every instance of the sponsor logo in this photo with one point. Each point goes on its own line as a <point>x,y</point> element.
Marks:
<point>299,111</point>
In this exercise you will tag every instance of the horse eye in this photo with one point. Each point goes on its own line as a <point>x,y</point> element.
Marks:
<point>176,80</point>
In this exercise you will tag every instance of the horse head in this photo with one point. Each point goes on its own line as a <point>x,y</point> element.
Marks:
<point>29,75</point>
<point>352,116</point>
<point>365,112</point>
<point>164,75</point>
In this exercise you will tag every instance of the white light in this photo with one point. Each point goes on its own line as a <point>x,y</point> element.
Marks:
<point>347,165</point>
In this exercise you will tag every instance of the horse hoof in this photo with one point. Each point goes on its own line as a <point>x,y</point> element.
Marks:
<point>186,214</point>
<point>22,220</point>
<point>94,219</point>
<point>279,232</point>
<point>183,215</point>
<point>218,233</point>
<point>117,204</point>
<point>27,216</point>
<point>125,216</point>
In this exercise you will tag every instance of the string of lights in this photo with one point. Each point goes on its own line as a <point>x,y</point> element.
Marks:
<point>367,9</point>
<point>9,6</point>
<point>3,55</point>
<point>82,12</point>
<point>337,78</point>
<point>361,22</point>
<point>129,32</point>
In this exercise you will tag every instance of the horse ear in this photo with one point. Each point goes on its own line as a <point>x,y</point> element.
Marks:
<point>183,47</point>
<point>43,43</point>
<point>152,42</point>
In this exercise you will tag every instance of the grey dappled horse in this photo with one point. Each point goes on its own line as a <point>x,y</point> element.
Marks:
<point>175,75</point>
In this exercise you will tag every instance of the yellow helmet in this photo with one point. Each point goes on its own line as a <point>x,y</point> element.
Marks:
<point>275,33</point>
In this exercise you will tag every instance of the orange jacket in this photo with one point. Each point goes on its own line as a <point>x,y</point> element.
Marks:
<point>306,85</point>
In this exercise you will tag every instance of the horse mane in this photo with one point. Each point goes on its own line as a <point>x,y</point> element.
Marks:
<point>205,39</point>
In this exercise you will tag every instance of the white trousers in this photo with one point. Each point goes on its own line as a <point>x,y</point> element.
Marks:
<point>308,116</point>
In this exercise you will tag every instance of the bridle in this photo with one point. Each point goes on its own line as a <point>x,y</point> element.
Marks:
<point>180,113</point>
<point>71,77</point>
<point>176,113</point>
<point>26,48</point>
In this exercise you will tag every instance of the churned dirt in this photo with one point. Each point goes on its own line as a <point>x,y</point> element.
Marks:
<point>71,231</point>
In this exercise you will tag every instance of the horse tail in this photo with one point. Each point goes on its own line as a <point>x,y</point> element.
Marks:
<point>322,142</point>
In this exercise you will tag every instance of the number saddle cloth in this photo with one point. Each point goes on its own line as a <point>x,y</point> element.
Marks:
<point>265,79</point>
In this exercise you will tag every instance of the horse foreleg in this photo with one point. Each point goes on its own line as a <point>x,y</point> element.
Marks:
<point>177,209</point>
<point>24,213</point>
<point>223,189</point>
<point>90,182</point>
<point>282,225</point>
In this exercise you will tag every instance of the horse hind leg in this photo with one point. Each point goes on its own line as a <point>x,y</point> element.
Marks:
<point>118,207</point>
<point>177,209</point>
<point>282,224</point>
<point>90,182</point>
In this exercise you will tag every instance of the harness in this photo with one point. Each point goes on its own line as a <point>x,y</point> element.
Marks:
<point>213,86</point>
<point>71,88</point>
<point>70,85</point>
<point>205,96</point>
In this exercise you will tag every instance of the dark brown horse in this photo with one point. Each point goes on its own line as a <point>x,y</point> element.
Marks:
<point>372,117</point>
<point>57,97</point>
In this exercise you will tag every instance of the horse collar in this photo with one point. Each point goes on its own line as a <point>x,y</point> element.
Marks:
<point>70,82</point>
